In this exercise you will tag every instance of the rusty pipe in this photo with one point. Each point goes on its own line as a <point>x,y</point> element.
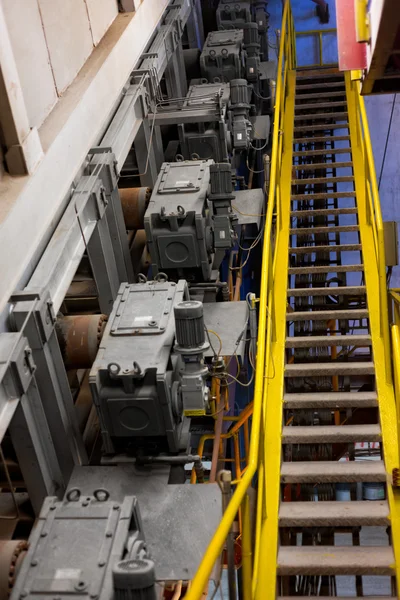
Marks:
<point>12,553</point>
<point>137,248</point>
<point>134,202</point>
<point>79,338</point>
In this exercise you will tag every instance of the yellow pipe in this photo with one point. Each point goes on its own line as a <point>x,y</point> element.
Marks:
<point>396,369</point>
<point>237,456</point>
<point>246,439</point>
<point>241,419</point>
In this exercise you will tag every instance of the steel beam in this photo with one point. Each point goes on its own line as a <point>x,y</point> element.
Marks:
<point>35,399</point>
<point>31,206</point>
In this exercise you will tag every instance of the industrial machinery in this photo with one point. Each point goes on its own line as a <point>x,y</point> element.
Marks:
<point>214,122</point>
<point>141,386</point>
<point>190,222</point>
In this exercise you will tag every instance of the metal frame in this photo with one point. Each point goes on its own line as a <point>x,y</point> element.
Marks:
<point>35,399</point>
<point>317,33</point>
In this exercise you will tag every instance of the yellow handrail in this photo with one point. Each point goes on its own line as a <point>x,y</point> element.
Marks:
<point>370,209</point>
<point>286,61</point>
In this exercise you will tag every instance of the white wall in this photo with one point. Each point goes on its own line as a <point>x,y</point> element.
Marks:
<point>51,40</point>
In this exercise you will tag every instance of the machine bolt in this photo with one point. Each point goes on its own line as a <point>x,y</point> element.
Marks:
<point>34,563</point>
<point>43,534</point>
<point>108,534</point>
<point>116,506</point>
<point>152,323</point>
<point>101,563</point>
<point>23,594</point>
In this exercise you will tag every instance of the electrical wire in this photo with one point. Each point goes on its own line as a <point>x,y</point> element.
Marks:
<point>219,340</point>
<point>252,170</point>
<point>387,141</point>
<point>249,249</point>
<point>246,214</point>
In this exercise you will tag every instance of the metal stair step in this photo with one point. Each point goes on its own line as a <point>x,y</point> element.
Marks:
<point>345,290</point>
<point>317,75</point>
<point>321,471</point>
<point>333,434</point>
<point>325,127</point>
<point>335,597</point>
<point>312,86</point>
<point>318,105</point>
<point>334,514</point>
<point>331,400</point>
<point>321,95</point>
<point>329,369</point>
<point>334,229</point>
<point>327,315</point>
<point>315,116</point>
<point>326,269</point>
<point>321,212</point>
<point>327,139</point>
<point>336,560</point>
<point>324,165</point>
<point>320,341</point>
<point>322,152</point>
<point>323,196</point>
<point>315,180</point>
<point>333,248</point>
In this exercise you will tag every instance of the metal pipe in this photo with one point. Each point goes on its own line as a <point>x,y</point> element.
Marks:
<point>134,202</point>
<point>218,432</point>
<point>79,337</point>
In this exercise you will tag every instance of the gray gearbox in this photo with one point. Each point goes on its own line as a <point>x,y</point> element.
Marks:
<point>178,223</point>
<point>141,387</point>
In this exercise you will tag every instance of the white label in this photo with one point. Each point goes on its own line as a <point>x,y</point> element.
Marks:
<point>142,321</point>
<point>239,136</point>
<point>181,183</point>
<point>251,70</point>
<point>260,22</point>
<point>222,235</point>
<point>67,574</point>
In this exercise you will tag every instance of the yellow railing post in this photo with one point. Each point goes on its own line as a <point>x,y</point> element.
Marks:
<point>319,33</point>
<point>246,548</point>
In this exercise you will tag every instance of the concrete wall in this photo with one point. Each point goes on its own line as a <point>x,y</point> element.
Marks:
<point>51,41</point>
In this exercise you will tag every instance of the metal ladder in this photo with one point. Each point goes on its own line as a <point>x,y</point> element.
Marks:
<point>330,400</point>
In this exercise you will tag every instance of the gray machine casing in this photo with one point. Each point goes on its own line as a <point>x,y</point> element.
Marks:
<point>136,402</point>
<point>210,140</point>
<point>177,221</point>
<point>221,58</point>
<point>233,15</point>
<point>74,547</point>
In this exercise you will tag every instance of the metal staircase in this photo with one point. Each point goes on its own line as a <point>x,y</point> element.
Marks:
<point>330,399</point>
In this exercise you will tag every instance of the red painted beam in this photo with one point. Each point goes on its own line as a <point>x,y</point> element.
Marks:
<point>352,54</point>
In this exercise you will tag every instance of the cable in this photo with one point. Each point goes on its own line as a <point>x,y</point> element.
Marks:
<point>261,97</point>
<point>251,247</point>
<point>246,214</point>
<point>219,339</point>
<point>252,170</point>
<point>387,141</point>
